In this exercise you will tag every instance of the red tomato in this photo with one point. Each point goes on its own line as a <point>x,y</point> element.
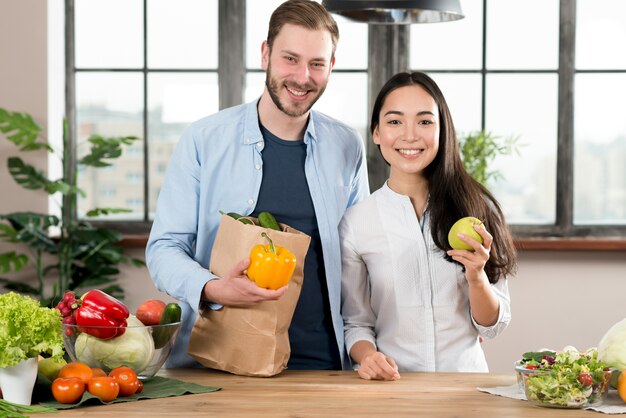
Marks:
<point>585,379</point>
<point>98,372</point>
<point>68,389</point>
<point>127,379</point>
<point>140,386</point>
<point>104,387</point>
<point>151,311</point>
<point>76,369</point>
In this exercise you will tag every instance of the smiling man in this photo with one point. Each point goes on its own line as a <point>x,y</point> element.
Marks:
<point>275,154</point>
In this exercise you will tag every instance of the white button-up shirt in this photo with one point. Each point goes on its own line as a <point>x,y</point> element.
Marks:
<point>399,292</point>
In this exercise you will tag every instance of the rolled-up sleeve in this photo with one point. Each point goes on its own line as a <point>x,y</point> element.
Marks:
<point>170,249</point>
<point>501,290</point>
<point>359,319</point>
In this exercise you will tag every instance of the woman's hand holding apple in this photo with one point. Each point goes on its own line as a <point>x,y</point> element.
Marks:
<point>474,260</point>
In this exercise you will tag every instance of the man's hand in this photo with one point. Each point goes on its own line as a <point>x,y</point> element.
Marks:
<point>236,289</point>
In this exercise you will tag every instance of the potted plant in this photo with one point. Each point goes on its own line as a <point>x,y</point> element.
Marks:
<point>27,330</point>
<point>83,256</point>
<point>480,148</point>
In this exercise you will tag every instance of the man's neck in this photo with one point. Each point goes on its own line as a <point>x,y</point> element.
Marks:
<point>274,120</point>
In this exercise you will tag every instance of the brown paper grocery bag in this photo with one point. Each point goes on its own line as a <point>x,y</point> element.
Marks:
<point>253,340</point>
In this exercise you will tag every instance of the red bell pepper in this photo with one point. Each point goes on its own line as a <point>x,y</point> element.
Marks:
<point>101,315</point>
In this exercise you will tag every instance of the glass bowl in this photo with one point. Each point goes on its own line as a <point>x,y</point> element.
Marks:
<point>143,348</point>
<point>549,388</point>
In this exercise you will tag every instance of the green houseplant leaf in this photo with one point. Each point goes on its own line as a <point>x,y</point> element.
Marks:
<point>31,229</point>
<point>78,255</point>
<point>480,148</point>
<point>105,148</point>
<point>12,261</point>
<point>105,211</point>
<point>21,129</point>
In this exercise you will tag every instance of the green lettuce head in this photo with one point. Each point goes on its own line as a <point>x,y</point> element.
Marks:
<point>28,330</point>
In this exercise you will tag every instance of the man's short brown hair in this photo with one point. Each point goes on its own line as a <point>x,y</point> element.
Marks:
<point>306,13</point>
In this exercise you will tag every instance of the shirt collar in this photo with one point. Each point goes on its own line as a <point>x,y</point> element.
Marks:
<point>252,132</point>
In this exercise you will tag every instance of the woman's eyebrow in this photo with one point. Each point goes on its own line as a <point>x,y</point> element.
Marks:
<point>397,112</point>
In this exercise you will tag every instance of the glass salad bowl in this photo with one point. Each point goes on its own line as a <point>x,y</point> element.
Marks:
<point>142,348</point>
<point>564,380</point>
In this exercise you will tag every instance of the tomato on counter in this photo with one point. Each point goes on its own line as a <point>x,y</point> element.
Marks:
<point>104,387</point>
<point>68,389</point>
<point>127,380</point>
<point>76,369</point>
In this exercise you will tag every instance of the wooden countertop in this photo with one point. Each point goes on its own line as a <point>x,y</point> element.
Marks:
<point>330,394</point>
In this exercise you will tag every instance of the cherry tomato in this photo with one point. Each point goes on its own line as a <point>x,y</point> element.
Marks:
<point>140,386</point>
<point>585,379</point>
<point>76,369</point>
<point>150,311</point>
<point>104,387</point>
<point>68,389</point>
<point>531,367</point>
<point>126,378</point>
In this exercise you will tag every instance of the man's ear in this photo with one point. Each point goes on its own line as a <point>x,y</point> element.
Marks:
<point>332,62</point>
<point>265,55</point>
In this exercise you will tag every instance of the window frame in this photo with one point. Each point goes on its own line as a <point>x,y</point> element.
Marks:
<point>388,53</point>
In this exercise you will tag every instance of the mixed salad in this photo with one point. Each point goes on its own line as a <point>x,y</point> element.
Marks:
<point>566,379</point>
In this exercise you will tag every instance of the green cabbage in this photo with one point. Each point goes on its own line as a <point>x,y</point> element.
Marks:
<point>133,349</point>
<point>612,347</point>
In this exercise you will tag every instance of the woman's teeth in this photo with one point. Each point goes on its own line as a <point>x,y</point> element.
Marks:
<point>409,151</point>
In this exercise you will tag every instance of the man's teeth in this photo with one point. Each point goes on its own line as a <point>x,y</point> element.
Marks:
<point>409,151</point>
<point>296,92</point>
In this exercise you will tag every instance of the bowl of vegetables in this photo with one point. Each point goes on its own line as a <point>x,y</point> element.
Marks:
<point>100,331</point>
<point>567,379</point>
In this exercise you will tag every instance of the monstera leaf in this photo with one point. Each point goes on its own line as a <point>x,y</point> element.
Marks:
<point>21,129</point>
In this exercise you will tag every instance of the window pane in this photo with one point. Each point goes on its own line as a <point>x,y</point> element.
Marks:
<point>463,95</point>
<point>450,45</point>
<point>351,51</point>
<point>345,97</point>
<point>600,149</point>
<point>522,34</point>
<point>111,104</point>
<point>353,44</point>
<point>174,101</point>
<point>527,190</point>
<point>109,33</point>
<point>600,34</point>
<point>182,34</point>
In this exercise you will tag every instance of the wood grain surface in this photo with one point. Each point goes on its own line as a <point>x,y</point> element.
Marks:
<point>330,394</point>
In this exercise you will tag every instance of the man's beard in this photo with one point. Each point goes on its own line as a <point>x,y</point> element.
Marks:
<point>299,108</point>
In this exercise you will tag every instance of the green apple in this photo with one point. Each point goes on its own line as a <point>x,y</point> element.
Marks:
<point>50,368</point>
<point>464,226</point>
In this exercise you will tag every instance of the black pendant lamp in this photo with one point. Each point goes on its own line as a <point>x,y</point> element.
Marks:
<point>396,12</point>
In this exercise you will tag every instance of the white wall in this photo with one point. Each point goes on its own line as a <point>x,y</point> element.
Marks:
<point>558,298</point>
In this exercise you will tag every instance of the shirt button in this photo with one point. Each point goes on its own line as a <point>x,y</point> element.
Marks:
<point>258,166</point>
<point>250,201</point>
<point>259,144</point>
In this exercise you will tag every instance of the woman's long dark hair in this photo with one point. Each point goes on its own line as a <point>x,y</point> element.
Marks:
<point>454,194</point>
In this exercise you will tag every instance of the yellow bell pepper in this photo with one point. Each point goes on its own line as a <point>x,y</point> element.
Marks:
<point>271,266</point>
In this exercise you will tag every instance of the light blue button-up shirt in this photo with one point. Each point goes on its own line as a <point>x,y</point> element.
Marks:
<point>218,165</point>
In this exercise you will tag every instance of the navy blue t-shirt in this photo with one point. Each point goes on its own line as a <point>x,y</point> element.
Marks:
<point>285,194</point>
